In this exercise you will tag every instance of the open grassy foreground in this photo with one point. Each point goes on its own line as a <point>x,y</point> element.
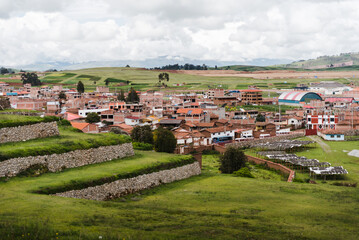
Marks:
<point>209,206</point>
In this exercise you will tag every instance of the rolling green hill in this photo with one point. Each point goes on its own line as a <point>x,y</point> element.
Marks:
<point>322,61</point>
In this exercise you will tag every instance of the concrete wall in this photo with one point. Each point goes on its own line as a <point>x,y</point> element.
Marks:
<point>27,132</point>
<point>58,162</point>
<point>123,187</point>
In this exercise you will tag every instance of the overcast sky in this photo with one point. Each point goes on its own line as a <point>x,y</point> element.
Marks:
<point>227,30</point>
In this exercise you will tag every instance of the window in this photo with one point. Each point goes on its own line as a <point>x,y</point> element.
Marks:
<point>309,119</point>
<point>332,119</point>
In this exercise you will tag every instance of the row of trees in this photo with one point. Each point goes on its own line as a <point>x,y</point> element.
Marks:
<point>6,70</point>
<point>187,66</point>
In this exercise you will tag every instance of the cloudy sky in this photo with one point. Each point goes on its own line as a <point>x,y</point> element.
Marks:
<point>228,30</point>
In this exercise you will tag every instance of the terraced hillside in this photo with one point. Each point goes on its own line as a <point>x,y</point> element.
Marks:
<point>209,206</point>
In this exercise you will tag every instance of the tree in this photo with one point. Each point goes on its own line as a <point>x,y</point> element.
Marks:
<point>232,160</point>
<point>121,96</point>
<point>92,118</point>
<point>31,78</point>
<point>260,118</point>
<point>62,95</point>
<point>164,140</point>
<point>142,134</point>
<point>80,87</point>
<point>132,96</point>
<point>162,77</point>
<point>107,82</point>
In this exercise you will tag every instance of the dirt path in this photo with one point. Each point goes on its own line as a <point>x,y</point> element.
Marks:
<point>322,144</point>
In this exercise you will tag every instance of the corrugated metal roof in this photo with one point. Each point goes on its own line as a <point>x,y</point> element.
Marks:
<point>293,96</point>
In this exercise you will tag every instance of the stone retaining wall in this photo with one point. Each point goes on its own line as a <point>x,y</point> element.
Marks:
<point>28,132</point>
<point>123,187</point>
<point>273,165</point>
<point>58,162</point>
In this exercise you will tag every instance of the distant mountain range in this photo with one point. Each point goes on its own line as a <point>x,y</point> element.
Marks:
<point>148,63</point>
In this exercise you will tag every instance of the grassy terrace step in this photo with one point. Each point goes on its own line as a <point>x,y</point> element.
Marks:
<point>70,139</point>
<point>141,163</point>
<point>10,120</point>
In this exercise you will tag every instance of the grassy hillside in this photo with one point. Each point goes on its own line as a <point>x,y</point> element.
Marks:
<point>325,60</point>
<point>209,206</point>
<point>247,68</point>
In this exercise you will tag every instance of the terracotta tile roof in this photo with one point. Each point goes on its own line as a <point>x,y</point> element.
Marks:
<point>217,129</point>
<point>71,116</point>
<point>205,125</point>
<point>190,111</point>
<point>79,125</point>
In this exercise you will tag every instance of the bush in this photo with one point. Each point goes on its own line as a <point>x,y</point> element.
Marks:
<point>345,184</point>
<point>243,172</point>
<point>232,160</point>
<point>142,134</point>
<point>142,146</point>
<point>64,123</point>
<point>92,118</point>
<point>164,140</point>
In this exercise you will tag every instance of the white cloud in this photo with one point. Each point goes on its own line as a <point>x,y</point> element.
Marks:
<point>88,30</point>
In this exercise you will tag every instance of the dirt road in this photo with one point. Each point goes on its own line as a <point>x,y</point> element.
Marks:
<point>322,144</point>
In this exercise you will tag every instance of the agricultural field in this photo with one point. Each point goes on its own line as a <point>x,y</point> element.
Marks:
<point>142,79</point>
<point>209,206</point>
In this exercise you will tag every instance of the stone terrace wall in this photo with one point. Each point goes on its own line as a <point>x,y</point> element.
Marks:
<point>28,132</point>
<point>273,165</point>
<point>57,162</point>
<point>4,103</point>
<point>123,187</point>
<point>264,140</point>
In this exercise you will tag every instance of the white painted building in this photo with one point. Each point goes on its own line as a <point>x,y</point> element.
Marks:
<point>84,112</point>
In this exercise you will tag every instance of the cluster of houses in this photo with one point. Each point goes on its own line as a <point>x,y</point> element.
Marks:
<point>216,116</point>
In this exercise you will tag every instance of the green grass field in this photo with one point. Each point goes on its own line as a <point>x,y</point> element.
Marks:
<point>209,206</point>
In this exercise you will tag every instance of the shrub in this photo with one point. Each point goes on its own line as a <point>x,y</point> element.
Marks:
<point>232,160</point>
<point>142,134</point>
<point>345,184</point>
<point>92,118</point>
<point>142,146</point>
<point>164,140</point>
<point>64,122</point>
<point>243,172</point>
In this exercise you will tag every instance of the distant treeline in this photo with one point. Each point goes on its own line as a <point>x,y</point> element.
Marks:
<point>6,70</point>
<point>187,66</point>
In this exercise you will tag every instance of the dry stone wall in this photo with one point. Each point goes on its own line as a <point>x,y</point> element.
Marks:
<point>4,103</point>
<point>58,162</point>
<point>28,132</point>
<point>123,187</point>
